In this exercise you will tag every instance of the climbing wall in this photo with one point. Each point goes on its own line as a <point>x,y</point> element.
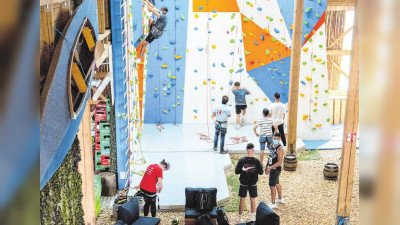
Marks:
<point>209,44</point>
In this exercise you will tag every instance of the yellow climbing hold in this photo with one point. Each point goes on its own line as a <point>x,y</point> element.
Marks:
<point>315,104</point>
<point>213,82</point>
<point>316,92</point>
<point>187,50</point>
<point>195,117</point>
<point>251,5</point>
<point>196,15</point>
<point>266,30</point>
<point>205,82</point>
<point>256,99</point>
<point>318,60</point>
<point>173,77</point>
<point>165,111</point>
<point>156,89</point>
<point>281,20</point>
<point>308,78</point>
<point>178,103</point>
<point>178,56</point>
<point>281,82</point>
<point>305,117</point>
<point>164,66</point>
<point>306,35</point>
<point>291,26</point>
<point>213,46</point>
<point>265,99</point>
<point>301,94</point>
<point>215,15</point>
<point>305,49</point>
<point>254,121</point>
<point>275,52</point>
<point>318,125</point>
<point>251,34</point>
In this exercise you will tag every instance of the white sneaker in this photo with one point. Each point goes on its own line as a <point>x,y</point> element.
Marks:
<point>242,121</point>
<point>253,217</point>
<point>240,219</point>
<point>272,206</point>
<point>237,127</point>
<point>282,201</point>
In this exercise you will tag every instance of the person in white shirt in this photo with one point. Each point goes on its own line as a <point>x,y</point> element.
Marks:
<point>265,124</point>
<point>221,114</point>
<point>278,110</point>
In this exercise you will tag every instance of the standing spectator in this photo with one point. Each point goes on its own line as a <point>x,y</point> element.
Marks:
<point>249,168</point>
<point>265,124</point>
<point>278,110</point>
<point>240,100</point>
<point>274,170</point>
<point>221,114</point>
<point>151,184</point>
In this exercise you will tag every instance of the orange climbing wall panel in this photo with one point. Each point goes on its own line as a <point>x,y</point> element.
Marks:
<point>256,54</point>
<point>140,72</point>
<point>218,5</point>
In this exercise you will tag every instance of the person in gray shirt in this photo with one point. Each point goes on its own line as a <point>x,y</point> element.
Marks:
<point>240,100</point>
<point>156,28</point>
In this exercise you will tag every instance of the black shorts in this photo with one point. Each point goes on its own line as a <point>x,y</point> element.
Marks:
<point>239,108</point>
<point>150,38</point>
<point>274,177</point>
<point>251,188</point>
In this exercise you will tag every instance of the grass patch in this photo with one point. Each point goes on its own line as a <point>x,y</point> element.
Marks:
<point>310,155</point>
<point>233,184</point>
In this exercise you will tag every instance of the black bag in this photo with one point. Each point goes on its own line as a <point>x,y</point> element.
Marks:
<point>222,219</point>
<point>265,215</point>
<point>129,212</point>
<point>204,201</point>
<point>204,220</point>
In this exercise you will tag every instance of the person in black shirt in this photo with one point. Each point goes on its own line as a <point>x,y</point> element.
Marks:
<point>274,168</point>
<point>249,168</point>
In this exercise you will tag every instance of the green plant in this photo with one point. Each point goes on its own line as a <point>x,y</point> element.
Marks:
<point>310,155</point>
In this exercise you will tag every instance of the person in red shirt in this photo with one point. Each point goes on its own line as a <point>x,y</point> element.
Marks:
<point>151,184</point>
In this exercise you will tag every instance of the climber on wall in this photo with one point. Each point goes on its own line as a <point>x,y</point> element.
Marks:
<point>240,100</point>
<point>156,28</point>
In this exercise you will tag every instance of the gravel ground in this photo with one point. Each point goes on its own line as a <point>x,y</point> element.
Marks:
<point>310,199</point>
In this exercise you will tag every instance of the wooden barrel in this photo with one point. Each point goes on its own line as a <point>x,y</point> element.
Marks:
<point>290,162</point>
<point>331,171</point>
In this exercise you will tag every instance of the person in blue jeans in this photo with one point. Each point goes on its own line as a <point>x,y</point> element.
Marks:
<point>221,114</point>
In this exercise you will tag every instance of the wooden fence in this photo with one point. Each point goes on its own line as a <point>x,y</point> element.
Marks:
<point>337,105</point>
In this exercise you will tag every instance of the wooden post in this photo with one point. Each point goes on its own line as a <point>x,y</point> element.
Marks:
<point>101,16</point>
<point>86,167</point>
<point>350,126</point>
<point>295,74</point>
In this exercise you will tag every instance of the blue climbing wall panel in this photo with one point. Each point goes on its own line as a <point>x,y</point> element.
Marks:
<point>273,77</point>
<point>165,86</point>
<point>119,88</point>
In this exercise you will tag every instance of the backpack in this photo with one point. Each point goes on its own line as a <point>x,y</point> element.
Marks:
<point>204,201</point>
<point>222,219</point>
<point>204,220</point>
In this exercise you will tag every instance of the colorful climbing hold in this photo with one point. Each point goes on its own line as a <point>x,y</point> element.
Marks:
<point>301,94</point>
<point>302,82</point>
<point>305,117</point>
<point>196,15</point>
<point>308,78</point>
<point>325,104</point>
<point>265,99</point>
<point>182,17</point>
<point>213,46</point>
<point>164,66</point>
<point>213,82</point>
<point>178,56</point>
<point>201,7</point>
<point>205,82</point>
<point>200,49</point>
<point>232,28</point>
<point>266,52</point>
<point>165,111</point>
<point>233,15</point>
<point>315,110</point>
<point>318,125</point>
<point>315,104</point>
<point>305,49</point>
<point>308,9</point>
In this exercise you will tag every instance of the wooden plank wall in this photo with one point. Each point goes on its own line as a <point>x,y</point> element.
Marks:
<point>337,109</point>
<point>334,28</point>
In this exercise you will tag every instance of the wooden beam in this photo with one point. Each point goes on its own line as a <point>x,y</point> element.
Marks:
<point>350,126</point>
<point>340,37</point>
<point>337,66</point>
<point>100,75</point>
<point>295,75</point>
<point>86,167</point>
<point>101,16</point>
<point>103,57</point>
<point>65,12</point>
<point>102,86</point>
<point>339,8</point>
<point>104,35</point>
<point>341,2</point>
<point>47,26</point>
<point>338,52</point>
<point>48,2</point>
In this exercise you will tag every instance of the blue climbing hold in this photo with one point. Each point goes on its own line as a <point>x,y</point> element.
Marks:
<point>209,79</point>
<point>276,30</point>
<point>255,43</point>
<point>303,83</point>
<point>262,37</point>
<point>230,82</point>
<point>195,110</point>
<point>195,88</point>
<point>150,75</point>
<point>213,99</point>
<point>241,40</point>
<point>196,28</point>
<point>223,65</point>
<point>239,70</point>
<point>177,7</point>
<point>195,71</point>
<point>213,64</point>
<point>231,53</point>
<point>214,11</point>
<point>240,59</point>
<point>172,42</point>
<point>209,31</point>
<point>259,9</point>
<point>178,68</point>
<point>200,49</point>
<point>201,7</point>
